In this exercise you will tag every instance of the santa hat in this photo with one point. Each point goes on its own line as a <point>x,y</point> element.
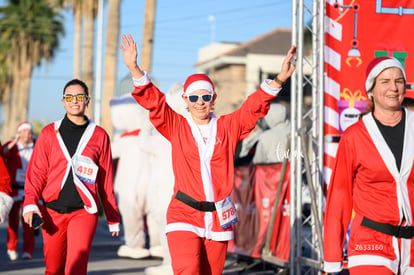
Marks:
<point>198,82</point>
<point>377,66</point>
<point>24,125</point>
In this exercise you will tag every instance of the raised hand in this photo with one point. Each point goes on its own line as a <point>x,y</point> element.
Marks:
<point>129,54</point>
<point>288,67</point>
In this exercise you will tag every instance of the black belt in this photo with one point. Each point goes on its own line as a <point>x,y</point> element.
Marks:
<point>16,186</point>
<point>205,206</point>
<point>61,209</point>
<point>406,232</point>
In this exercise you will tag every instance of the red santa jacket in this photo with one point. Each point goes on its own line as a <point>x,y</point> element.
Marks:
<point>366,182</point>
<point>206,173</point>
<point>6,200</point>
<point>51,163</point>
<point>14,163</point>
<point>5,185</point>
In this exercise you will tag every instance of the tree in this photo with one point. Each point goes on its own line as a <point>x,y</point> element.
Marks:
<point>89,10</point>
<point>77,12</point>
<point>84,12</point>
<point>110,75</point>
<point>5,82</point>
<point>33,29</point>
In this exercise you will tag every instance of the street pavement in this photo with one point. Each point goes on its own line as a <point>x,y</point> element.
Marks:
<point>103,259</point>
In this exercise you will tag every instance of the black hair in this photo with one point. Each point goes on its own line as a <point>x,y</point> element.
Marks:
<point>77,82</point>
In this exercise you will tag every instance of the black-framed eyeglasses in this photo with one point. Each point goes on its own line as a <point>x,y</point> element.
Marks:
<point>206,98</point>
<point>79,97</point>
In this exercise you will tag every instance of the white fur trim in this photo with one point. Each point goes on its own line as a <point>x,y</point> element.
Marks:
<point>329,267</point>
<point>372,260</point>
<point>114,227</point>
<point>144,80</point>
<point>269,89</point>
<point>30,208</point>
<point>86,136</point>
<point>385,64</point>
<point>401,176</point>
<point>199,85</point>
<point>24,126</point>
<point>6,203</point>
<point>201,232</point>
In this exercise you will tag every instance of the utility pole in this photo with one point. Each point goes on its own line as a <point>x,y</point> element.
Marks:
<point>148,37</point>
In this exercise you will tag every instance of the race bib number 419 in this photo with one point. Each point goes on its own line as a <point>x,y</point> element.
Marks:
<point>86,169</point>
<point>227,213</point>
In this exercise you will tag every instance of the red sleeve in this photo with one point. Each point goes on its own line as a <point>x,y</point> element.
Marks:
<point>37,170</point>
<point>5,185</point>
<point>339,200</point>
<point>161,115</point>
<point>245,118</point>
<point>106,182</point>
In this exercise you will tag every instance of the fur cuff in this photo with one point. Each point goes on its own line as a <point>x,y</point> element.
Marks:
<point>6,203</point>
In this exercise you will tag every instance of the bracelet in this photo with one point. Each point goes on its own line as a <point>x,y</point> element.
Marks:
<point>278,81</point>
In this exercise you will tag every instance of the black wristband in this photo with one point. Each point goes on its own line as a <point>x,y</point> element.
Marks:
<point>278,81</point>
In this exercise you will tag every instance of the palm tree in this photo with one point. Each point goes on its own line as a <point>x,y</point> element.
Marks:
<point>110,76</point>
<point>5,83</point>
<point>89,10</point>
<point>77,12</point>
<point>33,29</point>
<point>85,13</point>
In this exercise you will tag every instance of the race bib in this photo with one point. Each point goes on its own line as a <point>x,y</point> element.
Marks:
<point>86,169</point>
<point>20,176</point>
<point>226,211</point>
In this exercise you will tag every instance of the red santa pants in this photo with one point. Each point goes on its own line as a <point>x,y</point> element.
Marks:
<point>67,241</point>
<point>192,255</point>
<point>13,230</point>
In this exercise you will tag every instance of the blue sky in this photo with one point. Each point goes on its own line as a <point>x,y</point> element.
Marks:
<point>182,27</point>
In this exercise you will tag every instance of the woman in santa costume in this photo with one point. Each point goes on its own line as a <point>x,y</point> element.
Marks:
<point>70,170</point>
<point>373,182</point>
<point>201,213</point>
<point>17,153</point>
